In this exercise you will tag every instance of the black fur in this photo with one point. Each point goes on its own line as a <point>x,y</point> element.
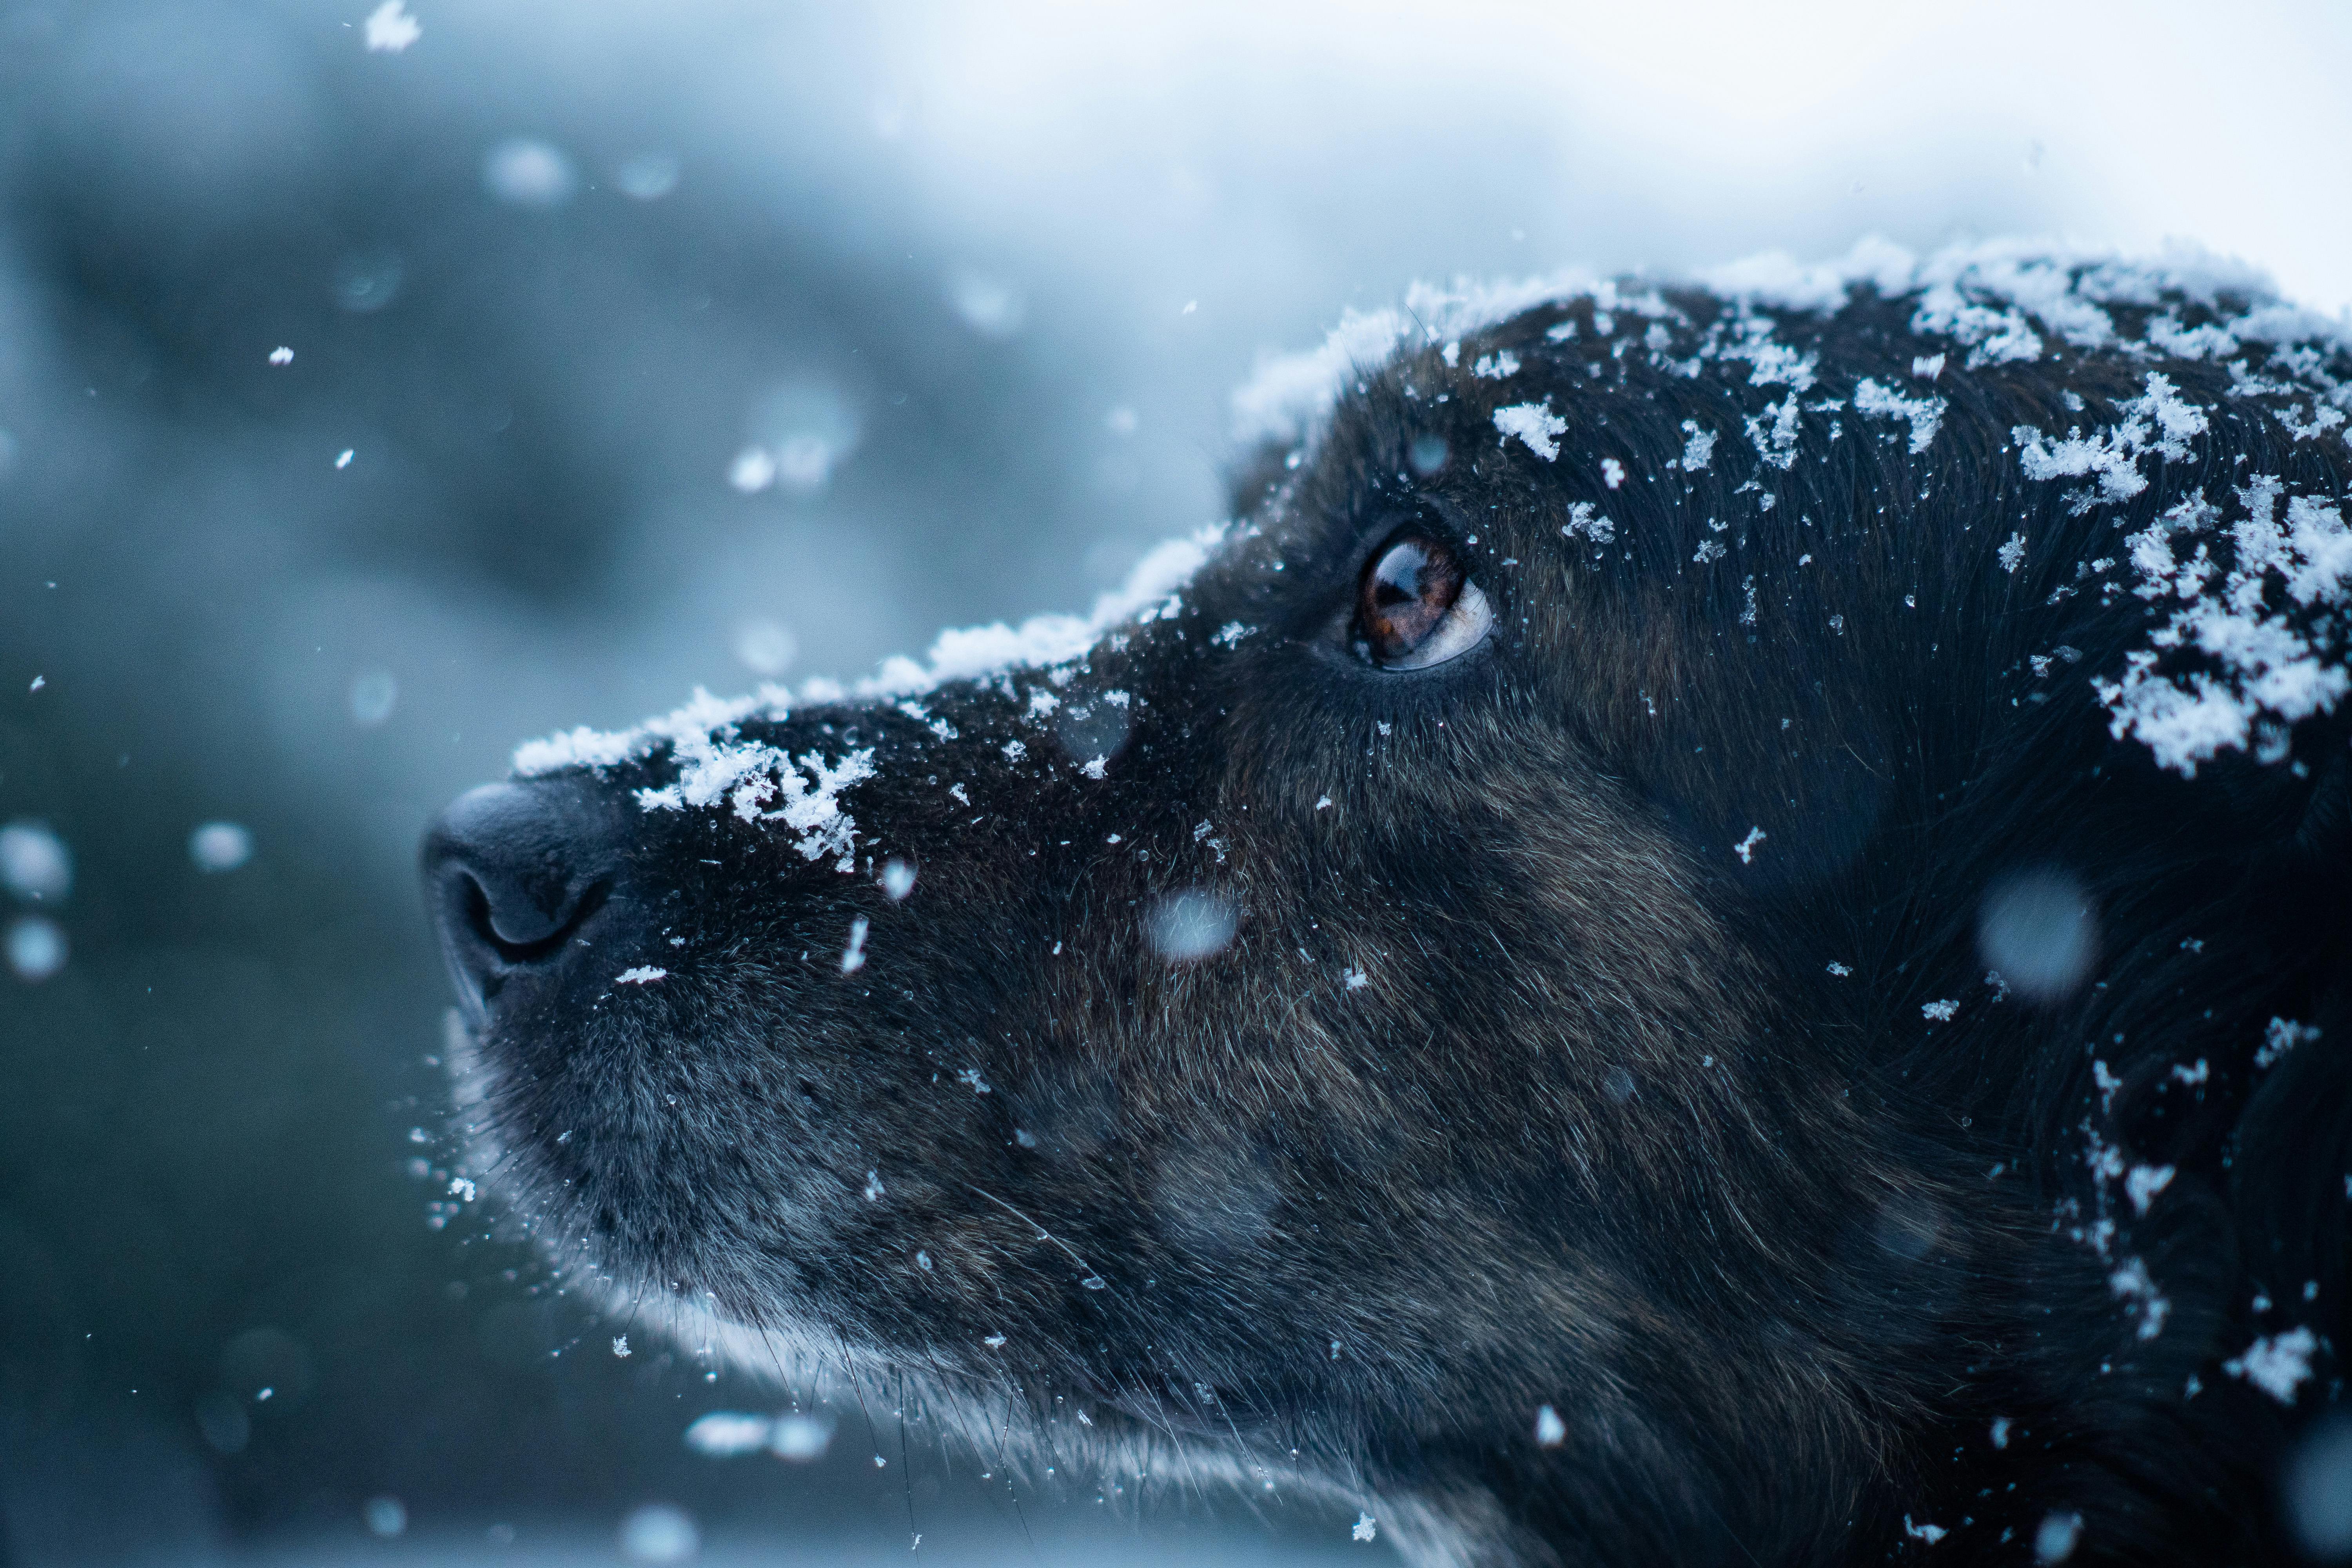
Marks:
<point>1806,1274</point>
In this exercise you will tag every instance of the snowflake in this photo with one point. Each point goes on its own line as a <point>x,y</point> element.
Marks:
<point>2276,1363</point>
<point>391,29</point>
<point>1534,423</point>
<point>1699,451</point>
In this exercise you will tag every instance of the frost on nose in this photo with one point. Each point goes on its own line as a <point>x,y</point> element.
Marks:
<point>720,767</point>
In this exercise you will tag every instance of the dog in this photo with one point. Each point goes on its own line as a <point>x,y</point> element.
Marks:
<point>1713,930</point>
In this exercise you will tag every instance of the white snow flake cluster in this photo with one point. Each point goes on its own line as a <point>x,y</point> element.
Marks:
<point>1533,423</point>
<point>2276,1363</point>
<point>1151,592</point>
<point>2002,303</point>
<point>2142,1183</point>
<point>1924,415</point>
<point>1699,451</point>
<point>2158,421</point>
<point>2279,1037</point>
<point>1583,518</point>
<point>2131,1282</point>
<point>2262,671</point>
<point>1776,443</point>
<point>716,763</point>
<point>1292,395</point>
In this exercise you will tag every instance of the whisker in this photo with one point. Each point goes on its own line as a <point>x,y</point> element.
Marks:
<point>906,1467</point>
<point>873,1434</point>
<point>1042,1235</point>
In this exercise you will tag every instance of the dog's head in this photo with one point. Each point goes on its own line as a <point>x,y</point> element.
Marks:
<point>1419,992</point>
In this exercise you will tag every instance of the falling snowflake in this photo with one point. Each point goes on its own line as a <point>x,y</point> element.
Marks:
<point>391,29</point>
<point>1551,1430</point>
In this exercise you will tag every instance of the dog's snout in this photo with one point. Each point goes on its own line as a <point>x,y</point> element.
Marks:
<point>513,871</point>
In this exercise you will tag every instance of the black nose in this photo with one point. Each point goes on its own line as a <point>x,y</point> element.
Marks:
<point>514,872</point>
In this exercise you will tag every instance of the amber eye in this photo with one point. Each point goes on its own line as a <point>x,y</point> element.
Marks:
<point>1416,606</point>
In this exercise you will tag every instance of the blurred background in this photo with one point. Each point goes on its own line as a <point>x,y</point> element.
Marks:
<point>381,387</point>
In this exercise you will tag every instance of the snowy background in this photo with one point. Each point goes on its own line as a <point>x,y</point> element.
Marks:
<point>704,342</point>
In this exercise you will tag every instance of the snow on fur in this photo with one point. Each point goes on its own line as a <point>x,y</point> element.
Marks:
<point>2277,1363</point>
<point>1924,415</point>
<point>761,783</point>
<point>2258,668</point>
<point>2263,666</point>
<point>2000,301</point>
<point>2007,301</point>
<point>1291,395</point>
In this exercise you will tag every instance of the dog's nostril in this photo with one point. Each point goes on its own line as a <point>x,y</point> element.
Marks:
<point>512,870</point>
<point>520,926</point>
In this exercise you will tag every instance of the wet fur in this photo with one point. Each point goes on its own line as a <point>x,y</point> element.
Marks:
<point>1600,1131</point>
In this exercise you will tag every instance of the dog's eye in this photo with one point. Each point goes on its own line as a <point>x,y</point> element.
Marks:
<point>1416,606</point>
